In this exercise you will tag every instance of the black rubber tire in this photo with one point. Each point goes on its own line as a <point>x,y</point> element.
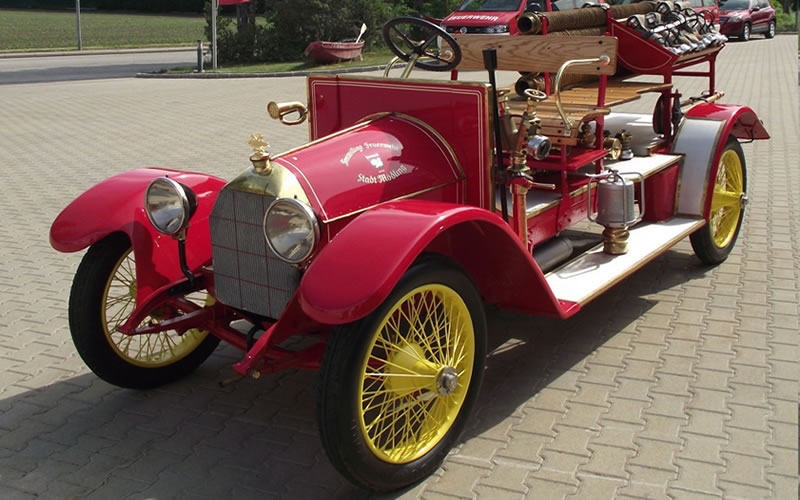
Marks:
<point>338,408</point>
<point>770,30</point>
<point>745,34</point>
<point>88,335</point>
<point>702,240</point>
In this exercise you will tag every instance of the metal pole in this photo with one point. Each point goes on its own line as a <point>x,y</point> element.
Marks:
<point>796,14</point>
<point>78,22</point>
<point>213,34</point>
<point>199,56</point>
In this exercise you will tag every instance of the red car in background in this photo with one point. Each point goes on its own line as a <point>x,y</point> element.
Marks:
<point>499,16</point>
<point>741,18</point>
<point>712,6</point>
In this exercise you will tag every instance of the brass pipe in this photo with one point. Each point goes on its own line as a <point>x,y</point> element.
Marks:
<point>603,60</point>
<point>519,192</point>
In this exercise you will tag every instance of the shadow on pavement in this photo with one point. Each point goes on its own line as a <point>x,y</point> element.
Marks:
<point>258,439</point>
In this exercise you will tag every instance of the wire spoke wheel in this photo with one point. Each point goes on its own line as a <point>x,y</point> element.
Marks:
<point>726,202</point>
<point>103,297</point>
<point>397,387</point>
<point>147,350</point>
<point>713,242</point>
<point>416,376</point>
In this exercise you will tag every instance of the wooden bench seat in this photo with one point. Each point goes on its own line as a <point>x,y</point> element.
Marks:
<point>546,54</point>
<point>580,104</point>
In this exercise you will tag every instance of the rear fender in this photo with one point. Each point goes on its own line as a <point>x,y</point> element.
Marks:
<point>117,205</point>
<point>738,121</point>
<point>741,121</point>
<point>357,270</point>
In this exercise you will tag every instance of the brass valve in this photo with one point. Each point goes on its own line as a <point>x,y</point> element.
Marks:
<point>528,138</point>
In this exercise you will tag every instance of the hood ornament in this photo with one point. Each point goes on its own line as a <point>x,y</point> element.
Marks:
<point>260,158</point>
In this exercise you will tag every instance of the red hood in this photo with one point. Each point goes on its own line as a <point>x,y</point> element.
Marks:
<point>387,158</point>
<point>732,13</point>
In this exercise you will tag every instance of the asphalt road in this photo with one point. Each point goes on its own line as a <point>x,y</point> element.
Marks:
<point>16,70</point>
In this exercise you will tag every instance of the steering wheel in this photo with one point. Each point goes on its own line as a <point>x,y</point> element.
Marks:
<point>422,43</point>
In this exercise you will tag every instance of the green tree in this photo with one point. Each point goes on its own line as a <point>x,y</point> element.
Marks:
<point>287,27</point>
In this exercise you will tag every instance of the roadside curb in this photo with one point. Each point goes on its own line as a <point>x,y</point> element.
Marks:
<point>94,52</point>
<point>363,69</point>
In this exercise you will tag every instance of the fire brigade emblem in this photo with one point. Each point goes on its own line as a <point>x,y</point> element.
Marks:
<point>375,160</point>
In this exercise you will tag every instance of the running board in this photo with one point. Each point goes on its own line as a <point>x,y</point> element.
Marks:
<point>581,280</point>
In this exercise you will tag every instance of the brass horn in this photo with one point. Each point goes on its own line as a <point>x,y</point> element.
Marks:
<point>280,110</point>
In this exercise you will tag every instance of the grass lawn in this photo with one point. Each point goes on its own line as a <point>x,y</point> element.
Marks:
<point>55,30</point>
<point>48,30</point>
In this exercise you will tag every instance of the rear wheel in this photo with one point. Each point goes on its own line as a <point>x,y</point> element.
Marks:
<point>102,298</point>
<point>713,242</point>
<point>397,387</point>
<point>770,30</point>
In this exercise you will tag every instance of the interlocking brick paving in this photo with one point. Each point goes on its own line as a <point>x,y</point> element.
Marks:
<point>682,383</point>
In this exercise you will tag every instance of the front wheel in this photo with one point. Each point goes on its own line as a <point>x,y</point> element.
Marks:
<point>713,242</point>
<point>102,298</point>
<point>770,30</point>
<point>745,35</point>
<point>397,387</point>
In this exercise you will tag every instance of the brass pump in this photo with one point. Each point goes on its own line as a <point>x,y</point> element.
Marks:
<point>527,141</point>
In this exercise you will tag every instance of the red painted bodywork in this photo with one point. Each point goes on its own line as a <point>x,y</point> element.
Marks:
<point>477,21</point>
<point>660,191</point>
<point>370,255</point>
<point>383,159</point>
<point>117,204</point>
<point>457,111</point>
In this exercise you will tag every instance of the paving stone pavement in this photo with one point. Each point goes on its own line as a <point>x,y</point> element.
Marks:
<point>682,383</point>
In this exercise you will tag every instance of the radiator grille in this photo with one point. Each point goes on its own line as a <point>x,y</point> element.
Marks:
<point>247,274</point>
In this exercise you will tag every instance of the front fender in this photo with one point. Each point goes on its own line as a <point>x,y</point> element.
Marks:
<point>357,270</point>
<point>117,204</point>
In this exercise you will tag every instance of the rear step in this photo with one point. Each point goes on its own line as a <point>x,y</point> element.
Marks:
<point>586,277</point>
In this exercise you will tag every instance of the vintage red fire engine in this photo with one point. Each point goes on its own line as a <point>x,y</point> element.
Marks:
<point>369,253</point>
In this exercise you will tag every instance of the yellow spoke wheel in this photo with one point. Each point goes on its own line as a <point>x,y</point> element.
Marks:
<point>713,242</point>
<point>103,297</point>
<point>397,386</point>
<point>416,376</point>
<point>149,350</point>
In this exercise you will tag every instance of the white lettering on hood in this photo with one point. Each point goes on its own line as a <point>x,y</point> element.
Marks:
<point>474,18</point>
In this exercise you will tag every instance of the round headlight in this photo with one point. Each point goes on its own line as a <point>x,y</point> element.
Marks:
<point>169,205</point>
<point>291,229</point>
